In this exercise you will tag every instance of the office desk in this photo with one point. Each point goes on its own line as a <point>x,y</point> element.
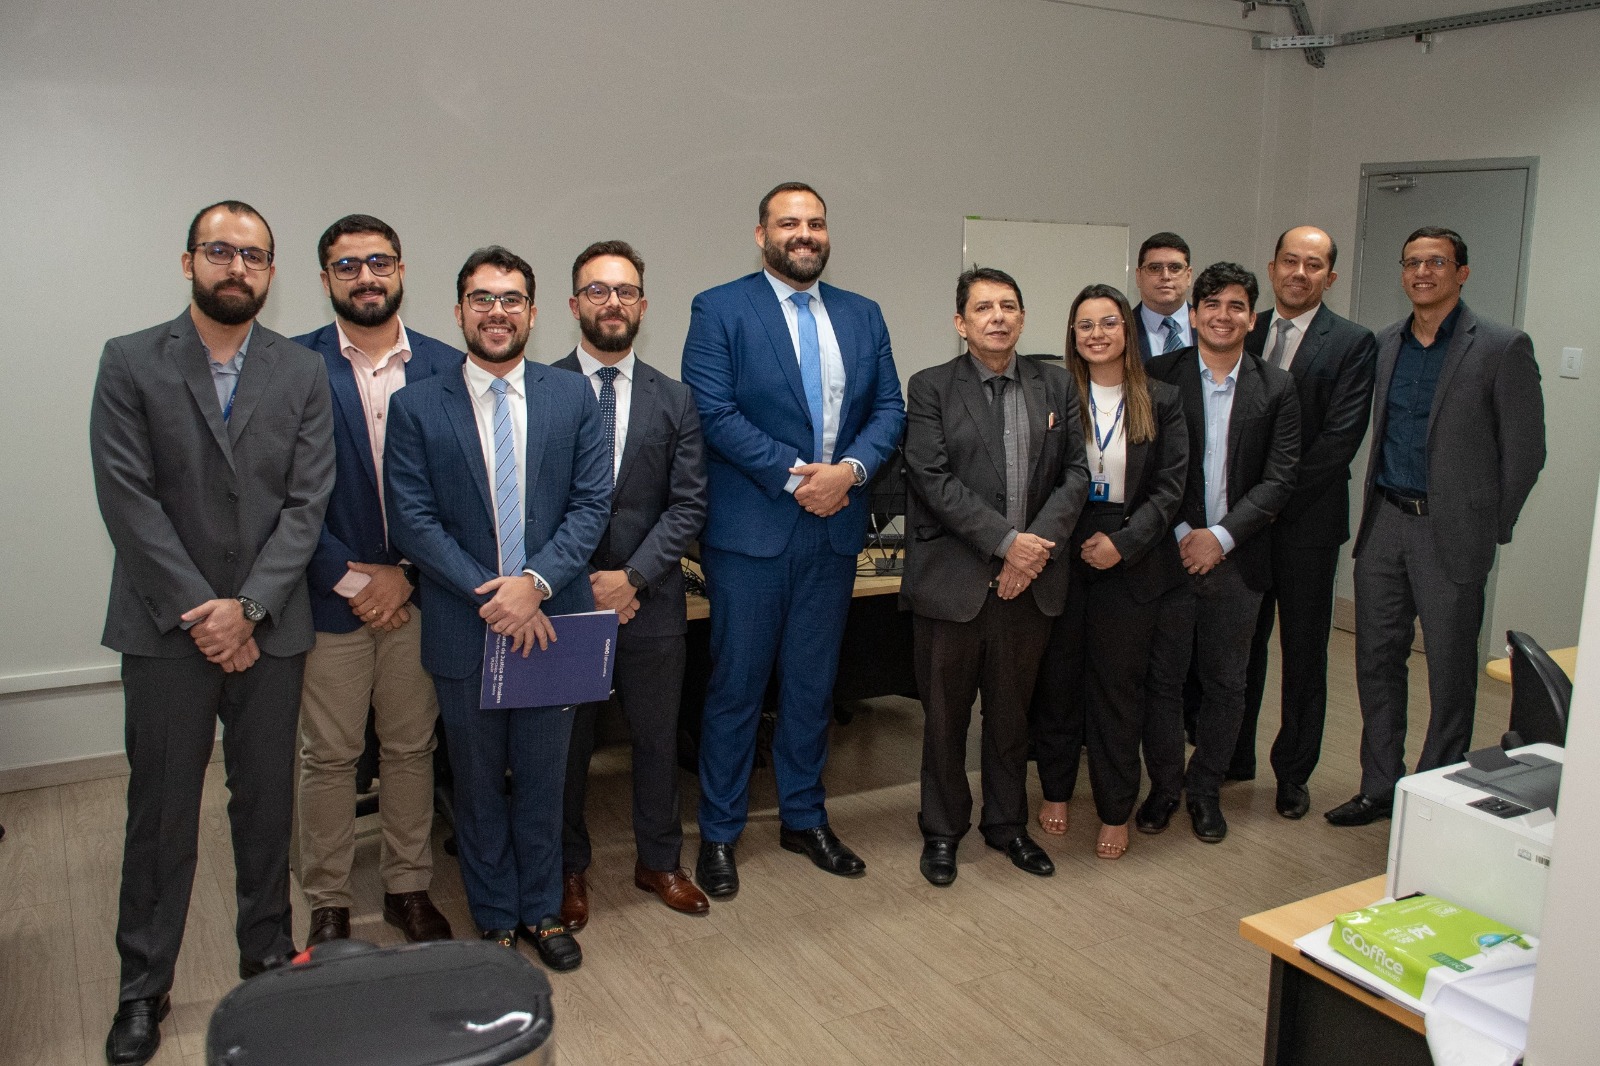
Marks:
<point>1315,1017</point>
<point>1566,658</point>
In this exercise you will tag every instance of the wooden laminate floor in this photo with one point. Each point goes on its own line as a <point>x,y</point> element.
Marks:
<point>1118,963</point>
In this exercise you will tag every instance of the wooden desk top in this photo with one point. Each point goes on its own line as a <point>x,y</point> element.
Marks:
<point>1276,930</point>
<point>876,585</point>
<point>1566,658</point>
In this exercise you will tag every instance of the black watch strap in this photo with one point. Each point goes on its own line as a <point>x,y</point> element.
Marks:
<point>635,578</point>
<point>253,611</point>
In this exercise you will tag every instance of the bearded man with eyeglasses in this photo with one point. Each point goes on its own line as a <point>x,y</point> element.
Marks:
<point>365,605</point>
<point>211,442</point>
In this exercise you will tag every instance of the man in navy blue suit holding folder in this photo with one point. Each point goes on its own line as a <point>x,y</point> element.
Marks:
<point>498,488</point>
<point>800,404</point>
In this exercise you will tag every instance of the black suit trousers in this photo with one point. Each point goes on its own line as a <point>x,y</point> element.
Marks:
<point>648,679</point>
<point>1301,603</point>
<point>172,708</point>
<point>996,655</point>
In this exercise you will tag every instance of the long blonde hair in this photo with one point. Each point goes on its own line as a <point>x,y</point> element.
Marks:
<point>1135,382</point>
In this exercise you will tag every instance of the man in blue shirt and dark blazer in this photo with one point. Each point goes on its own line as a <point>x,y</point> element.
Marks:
<point>1458,442</point>
<point>800,403</point>
<point>658,507</point>
<point>498,489</point>
<point>364,604</point>
<point>1162,273</point>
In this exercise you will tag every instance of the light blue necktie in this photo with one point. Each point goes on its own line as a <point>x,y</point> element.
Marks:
<point>507,500</point>
<point>1174,335</point>
<point>810,369</point>
<point>608,413</point>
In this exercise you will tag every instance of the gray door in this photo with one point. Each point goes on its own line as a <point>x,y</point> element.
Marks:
<point>1490,203</point>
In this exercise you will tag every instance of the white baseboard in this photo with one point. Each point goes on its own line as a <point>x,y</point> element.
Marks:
<point>71,771</point>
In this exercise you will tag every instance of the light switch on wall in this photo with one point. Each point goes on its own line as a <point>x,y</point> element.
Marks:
<point>1571,362</point>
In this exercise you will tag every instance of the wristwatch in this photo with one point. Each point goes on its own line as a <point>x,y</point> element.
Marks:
<point>412,573</point>
<point>635,578</point>
<point>253,611</point>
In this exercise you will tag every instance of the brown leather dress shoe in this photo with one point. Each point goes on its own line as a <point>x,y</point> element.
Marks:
<point>329,923</point>
<point>674,888</point>
<point>415,915</point>
<point>574,901</point>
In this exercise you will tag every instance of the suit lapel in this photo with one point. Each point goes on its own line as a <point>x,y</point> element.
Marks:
<point>347,405</point>
<point>764,301</point>
<point>185,348</point>
<point>641,414</point>
<point>1310,350</point>
<point>260,363</point>
<point>851,336</point>
<point>1248,398</point>
<point>1388,356</point>
<point>538,420</point>
<point>1460,341</point>
<point>458,412</point>
<point>972,394</point>
<point>1037,405</point>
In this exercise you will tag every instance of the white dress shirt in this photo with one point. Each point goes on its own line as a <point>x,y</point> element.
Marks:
<point>478,382</point>
<point>832,362</point>
<point>1296,334</point>
<point>623,386</point>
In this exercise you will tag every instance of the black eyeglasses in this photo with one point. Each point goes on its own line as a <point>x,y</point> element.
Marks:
<point>221,253</point>
<point>1437,262</point>
<point>512,303</point>
<point>1172,270</point>
<point>598,292</point>
<point>349,268</point>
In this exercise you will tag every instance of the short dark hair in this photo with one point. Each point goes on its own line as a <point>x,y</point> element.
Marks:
<point>788,186</point>
<point>1333,246</point>
<point>233,207</point>
<point>621,249</point>
<point>999,277</point>
<point>496,256</point>
<point>1218,276</point>
<point>1162,240</point>
<point>353,224</point>
<point>1440,233</point>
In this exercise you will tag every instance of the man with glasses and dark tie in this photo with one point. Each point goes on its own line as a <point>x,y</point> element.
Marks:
<point>658,507</point>
<point>1457,444</point>
<point>211,442</point>
<point>800,402</point>
<point>497,486</point>
<point>1163,276</point>
<point>364,603</point>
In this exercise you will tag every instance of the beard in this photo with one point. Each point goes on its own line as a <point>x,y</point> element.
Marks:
<point>371,314</point>
<point>233,307</point>
<point>608,342</point>
<point>518,343</point>
<point>781,259</point>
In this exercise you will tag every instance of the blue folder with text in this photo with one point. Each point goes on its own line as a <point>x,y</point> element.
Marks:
<point>575,668</point>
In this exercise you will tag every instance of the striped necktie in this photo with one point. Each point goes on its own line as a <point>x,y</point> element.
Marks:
<point>1174,335</point>
<point>507,498</point>
<point>1280,342</point>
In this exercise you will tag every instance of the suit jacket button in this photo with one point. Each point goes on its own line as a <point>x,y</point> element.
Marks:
<point>230,556</point>
<point>233,497</point>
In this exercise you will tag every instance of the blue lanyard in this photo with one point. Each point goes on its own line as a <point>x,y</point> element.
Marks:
<point>227,411</point>
<point>1094,413</point>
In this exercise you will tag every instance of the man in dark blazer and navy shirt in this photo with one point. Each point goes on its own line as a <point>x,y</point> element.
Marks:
<point>1331,359</point>
<point>996,471</point>
<point>497,488</point>
<point>800,402</point>
<point>364,605</point>
<point>658,507</point>
<point>210,439</point>
<point>1457,444</point>
<point>1244,442</point>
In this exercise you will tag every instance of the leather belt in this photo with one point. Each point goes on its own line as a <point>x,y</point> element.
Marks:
<point>1417,506</point>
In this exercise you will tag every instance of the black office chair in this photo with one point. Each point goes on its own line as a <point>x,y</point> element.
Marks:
<point>1541,692</point>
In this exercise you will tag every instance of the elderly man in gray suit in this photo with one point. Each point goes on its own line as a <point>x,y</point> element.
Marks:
<point>1458,442</point>
<point>211,439</point>
<point>996,466</point>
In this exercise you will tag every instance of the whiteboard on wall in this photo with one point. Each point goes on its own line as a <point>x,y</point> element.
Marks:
<point>1052,262</point>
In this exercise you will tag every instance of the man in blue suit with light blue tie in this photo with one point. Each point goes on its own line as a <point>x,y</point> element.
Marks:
<point>800,404</point>
<point>498,488</point>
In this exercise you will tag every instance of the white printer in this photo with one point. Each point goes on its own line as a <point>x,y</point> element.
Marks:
<point>1479,835</point>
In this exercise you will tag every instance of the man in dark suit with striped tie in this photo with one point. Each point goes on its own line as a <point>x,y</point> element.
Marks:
<point>1162,314</point>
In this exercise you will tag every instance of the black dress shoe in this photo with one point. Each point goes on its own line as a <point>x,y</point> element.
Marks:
<point>824,849</point>
<point>249,968</point>
<point>136,1030</point>
<point>716,870</point>
<point>1155,813</point>
<point>557,948</point>
<point>414,914</point>
<point>1026,856</point>
<point>329,923</point>
<point>506,938</point>
<point>1205,813</point>
<point>1293,800</point>
<point>1359,810</point>
<point>939,862</point>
